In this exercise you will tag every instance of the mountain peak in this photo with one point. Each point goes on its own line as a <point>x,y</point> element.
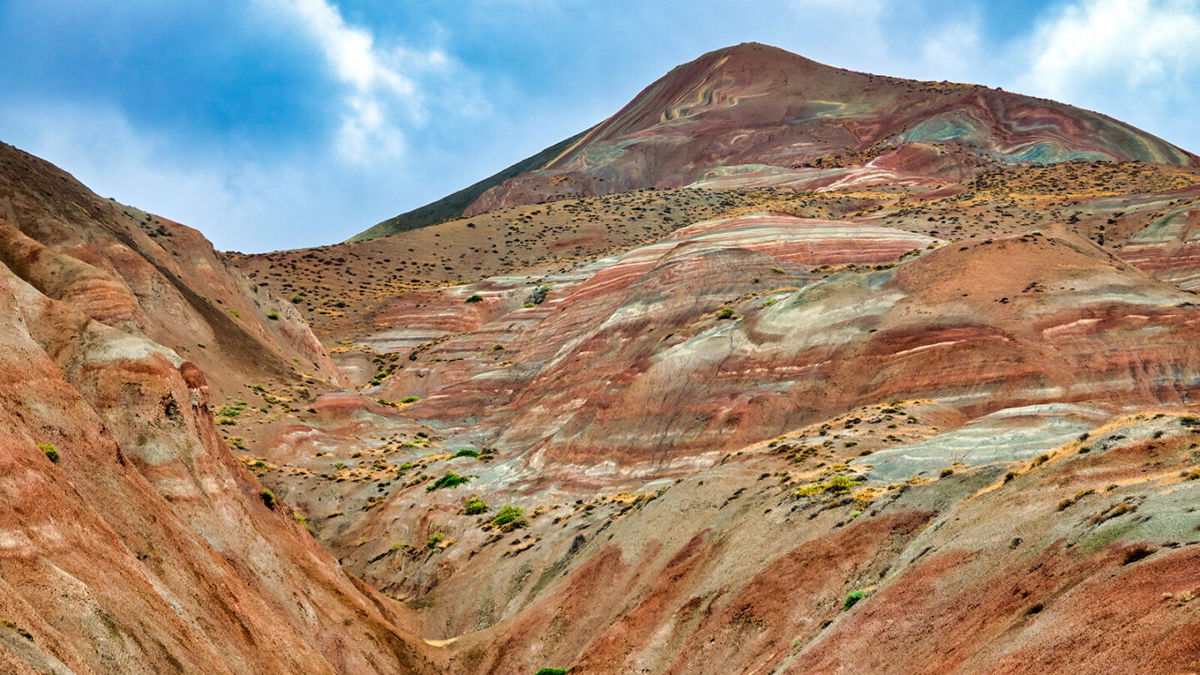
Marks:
<point>755,112</point>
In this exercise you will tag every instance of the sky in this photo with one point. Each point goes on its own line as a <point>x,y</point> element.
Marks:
<point>271,124</point>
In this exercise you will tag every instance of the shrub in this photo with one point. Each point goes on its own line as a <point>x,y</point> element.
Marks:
<point>726,313</point>
<point>274,316</point>
<point>552,671</point>
<point>509,517</point>
<point>466,452</point>
<point>835,485</point>
<point>538,296</point>
<point>450,480</point>
<point>1137,552</point>
<point>853,599</point>
<point>475,506</point>
<point>49,451</point>
<point>840,483</point>
<point>410,399</point>
<point>268,498</point>
<point>434,541</point>
<point>474,298</point>
<point>234,312</point>
<point>296,299</point>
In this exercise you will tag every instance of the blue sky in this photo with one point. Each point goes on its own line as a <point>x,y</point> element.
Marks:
<point>282,123</point>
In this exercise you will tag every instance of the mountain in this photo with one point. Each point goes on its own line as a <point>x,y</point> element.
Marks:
<point>831,372</point>
<point>758,113</point>
<point>780,364</point>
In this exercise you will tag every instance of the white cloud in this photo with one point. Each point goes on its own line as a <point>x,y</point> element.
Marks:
<point>953,52</point>
<point>1139,43</point>
<point>382,82</point>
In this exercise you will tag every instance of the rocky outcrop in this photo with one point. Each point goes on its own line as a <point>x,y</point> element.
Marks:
<point>130,537</point>
<point>142,273</point>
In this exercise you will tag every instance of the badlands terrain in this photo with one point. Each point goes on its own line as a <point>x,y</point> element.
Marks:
<point>782,368</point>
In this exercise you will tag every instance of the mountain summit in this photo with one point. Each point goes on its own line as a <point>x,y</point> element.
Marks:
<point>760,113</point>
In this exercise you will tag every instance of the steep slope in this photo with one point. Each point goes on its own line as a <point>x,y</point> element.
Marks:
<point>132,540</point>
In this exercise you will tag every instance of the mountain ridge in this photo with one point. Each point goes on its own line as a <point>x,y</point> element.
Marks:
<point>700,95</point>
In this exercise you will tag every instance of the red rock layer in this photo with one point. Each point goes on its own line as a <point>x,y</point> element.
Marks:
<point>131,540</point>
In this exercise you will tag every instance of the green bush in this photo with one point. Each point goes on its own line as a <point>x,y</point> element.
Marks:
<point>434,541</point>
<point>450,480</point>
<point>466,452</point>
<point>475,506</point>
<point>474,298</point>
<point>410,399</point>
<point>274,316</point>
<point>552,671</point>
<point>538,296</point>
<point>726,313</point>
<point>509,517</point>
<point>49,451</point>
<point>853,599</point>
<point>268,498</point>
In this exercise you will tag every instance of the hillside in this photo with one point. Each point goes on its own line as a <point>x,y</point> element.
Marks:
<point>774,414</point>
<point>780,369</point>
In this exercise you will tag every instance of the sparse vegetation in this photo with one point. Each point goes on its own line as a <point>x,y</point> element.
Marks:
<point>21,631</point>
<point>465,452</point>
<point>449,480</point>
<point>274,316</point>
<point>726,313</point>
<point>1137,552</point>
<point>538,296</point>
<point>49,451</point>
<point>509,517</point>
<point>474,298</point>
<point>268,498</point>
<point>475,506</point>
<point>835,485</point>
<point>852,599</point>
